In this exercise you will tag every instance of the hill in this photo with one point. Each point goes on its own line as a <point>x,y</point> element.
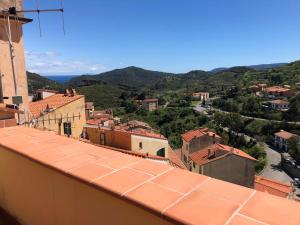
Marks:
<point>130,76</point>
<point>36,81</point>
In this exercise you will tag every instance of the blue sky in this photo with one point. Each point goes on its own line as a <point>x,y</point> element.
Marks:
<point>166,35</point>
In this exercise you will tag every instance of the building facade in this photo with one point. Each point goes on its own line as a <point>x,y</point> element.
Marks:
<point>194,140</point>
<point>280,105</point>
<point>13,79</point>
<point>150,104</point>
<point>61,113</point>
<point>282,138</point>
<point>141,141</point>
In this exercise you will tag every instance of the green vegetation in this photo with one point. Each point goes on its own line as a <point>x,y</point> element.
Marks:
<point>294,148</point>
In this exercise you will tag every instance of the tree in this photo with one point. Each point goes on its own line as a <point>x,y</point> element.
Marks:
<point>294,147</point>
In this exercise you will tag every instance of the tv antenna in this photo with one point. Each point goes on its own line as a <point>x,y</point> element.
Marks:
<point>12,13</point>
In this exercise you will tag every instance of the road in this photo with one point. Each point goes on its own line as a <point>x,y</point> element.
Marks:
<point>200,109</point>
<point>273,168</point>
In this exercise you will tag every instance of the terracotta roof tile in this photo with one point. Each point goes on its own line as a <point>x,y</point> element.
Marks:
<point>272,186</point>
<point>188,136</point>
<point>284,134</point>
<point>169,193</point>
<point>54,101</point>
<point>207,154</point>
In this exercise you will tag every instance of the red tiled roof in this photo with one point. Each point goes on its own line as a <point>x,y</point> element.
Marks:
<point>285,135</point>
<point>174,195</point>
<point>150,100</point>
<point>188,136</point>
<point>205,155</point>
<point>279,102</point>
<point>272,186</point>
<point>54,101</point>
<point>146,133</point>
<point>236,151</point>
<point>277,89</point>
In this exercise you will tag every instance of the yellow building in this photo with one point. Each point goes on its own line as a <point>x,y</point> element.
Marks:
<point>13,79</point>
<point>62,113</point>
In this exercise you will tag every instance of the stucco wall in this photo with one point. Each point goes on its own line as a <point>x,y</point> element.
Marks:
<point>77,107</point>
<point>39,195</point>
<point>231,168</point>
<point>116,139</point>
<point>150,145</point>
<point>8,88</point>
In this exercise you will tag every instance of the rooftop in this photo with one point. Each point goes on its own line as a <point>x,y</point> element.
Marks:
<point>173,194</point>
<point>150,100</point>
<point>279,102</point>
<point>272,186</point>
<point>276,89</point>
<point>203,156</point>
<point>188,136</point>
<point>284,134</point>
<point>54,101</point>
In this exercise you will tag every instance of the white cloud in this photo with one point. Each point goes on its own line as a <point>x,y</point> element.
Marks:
<point>52,63</point>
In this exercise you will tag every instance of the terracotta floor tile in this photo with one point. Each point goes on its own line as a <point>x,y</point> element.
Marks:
<point>241,220</point>
<point>122,180</point>
<point>153,196</point>
<point>90,171</point>
<point>72,162</point>
<point>202,208</point>
<point>272,209</point>
<point>151,167</point>
<point>226,190</point>
<point>50,156</point>
<point>118,162</point>
<point>180,180</point>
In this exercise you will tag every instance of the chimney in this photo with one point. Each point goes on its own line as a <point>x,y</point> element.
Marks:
<point>67,92</point>
<point>73,92</point>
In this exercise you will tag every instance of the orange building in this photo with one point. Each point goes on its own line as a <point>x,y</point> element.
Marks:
<point>273,187</point>
<point>277,91</point>
<point>137,140</point>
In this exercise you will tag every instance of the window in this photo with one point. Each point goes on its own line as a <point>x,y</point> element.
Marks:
<point>67,128</point>
<point>102,139</point>
<point>185,159</point>
<point>161,152</point>
<point>141,145</point>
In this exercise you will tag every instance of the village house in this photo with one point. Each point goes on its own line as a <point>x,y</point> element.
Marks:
<point>279,104</point>
<point>150,104</point>
<point>202,153</point>
<point>282,138</point>
<point>276,91</point>
<point>197,139</point>
<point>62,113</point>
<point>273,187</point>
<point>104,132</point>
<point>200,96</point>
<point>224,163</point>
<point>257,88</point>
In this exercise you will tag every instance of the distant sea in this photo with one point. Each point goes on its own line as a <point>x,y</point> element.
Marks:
<point>61,79</point>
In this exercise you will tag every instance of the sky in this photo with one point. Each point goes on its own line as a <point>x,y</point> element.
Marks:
<point>165,35</point>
